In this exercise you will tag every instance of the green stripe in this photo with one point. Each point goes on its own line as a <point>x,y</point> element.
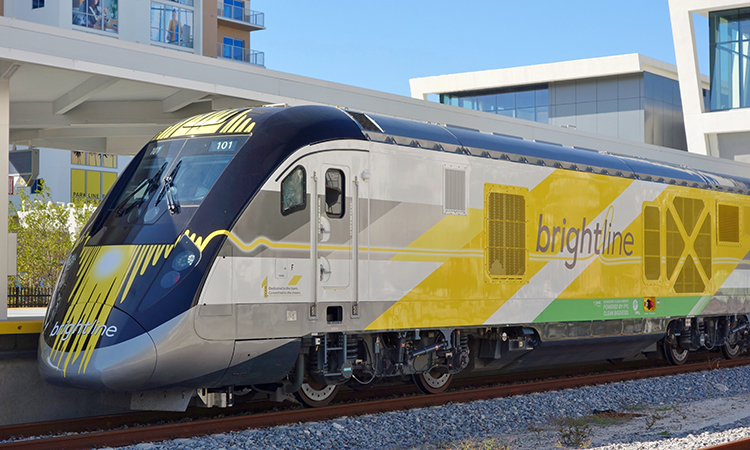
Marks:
<point>578,309</point>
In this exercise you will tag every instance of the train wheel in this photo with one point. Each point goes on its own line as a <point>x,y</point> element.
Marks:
<point>675,354</point>
<point>314,395</point>
<point>433,382</point>
<point>731,351</point>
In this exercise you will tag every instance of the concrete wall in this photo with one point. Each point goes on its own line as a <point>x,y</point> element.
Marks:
<point>735,146</point>
<point>48,15</point>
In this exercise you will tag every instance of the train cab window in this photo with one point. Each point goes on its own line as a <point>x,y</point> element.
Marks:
<point>335,194</point>
<point>293,191</point>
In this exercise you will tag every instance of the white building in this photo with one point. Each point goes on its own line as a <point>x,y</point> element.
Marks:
<point>631,97</point>
<point>721,127</point>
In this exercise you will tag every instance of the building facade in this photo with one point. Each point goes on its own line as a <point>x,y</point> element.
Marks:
<point>720,127</point>
<point>214,28</point>
<point>630,97</point>
<point>69,175</point>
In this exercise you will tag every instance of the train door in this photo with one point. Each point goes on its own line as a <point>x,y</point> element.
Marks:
<point>335,218</point>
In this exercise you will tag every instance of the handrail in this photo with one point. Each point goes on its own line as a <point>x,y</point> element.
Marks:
<point>241,54</point>
<point>231,10</point>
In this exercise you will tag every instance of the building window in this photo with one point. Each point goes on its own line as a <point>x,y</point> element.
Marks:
<point>37,4</point>
<point>729,46</point>
<point>95,14</point>
<point>93,159</point>
<point>233,49</point>
<point>171,25</point>
<point>528,102</point>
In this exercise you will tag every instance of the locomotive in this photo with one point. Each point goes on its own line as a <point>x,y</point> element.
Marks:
<point>288,251</point>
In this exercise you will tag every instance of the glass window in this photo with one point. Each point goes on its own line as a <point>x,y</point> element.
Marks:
<point>233,49</point>
<point>78,158</point>
<point>468,102</point>
<point>542,97</point>
<point>542,114</point>
<point>95,14</point>
<point>506,100</point>
<point>725,76</point>
<point>37,4</point>
<point>487,103</point>
<point>724,26</point>
<point>171,25</point>
<point>524,99</point>
<point>293,191</point>
<point>526,114</point>
<point>109,161</point>
<point>93,159</point>
<point>335,193</point>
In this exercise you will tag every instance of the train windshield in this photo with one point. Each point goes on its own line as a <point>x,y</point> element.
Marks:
<point>169,183</point>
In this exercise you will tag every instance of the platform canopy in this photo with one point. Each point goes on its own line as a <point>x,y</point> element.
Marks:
<point>69,89</point>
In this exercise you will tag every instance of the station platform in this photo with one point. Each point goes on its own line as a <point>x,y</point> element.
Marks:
<point>23,321</point>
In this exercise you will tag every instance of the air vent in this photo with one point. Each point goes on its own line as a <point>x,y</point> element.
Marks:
<point>454,191</point>
<point>364,121</point>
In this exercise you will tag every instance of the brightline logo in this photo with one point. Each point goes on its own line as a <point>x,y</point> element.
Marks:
<point>605,240</point>
<point>84,329</point>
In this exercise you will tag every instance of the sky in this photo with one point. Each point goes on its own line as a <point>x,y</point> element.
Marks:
<point>381,45</point>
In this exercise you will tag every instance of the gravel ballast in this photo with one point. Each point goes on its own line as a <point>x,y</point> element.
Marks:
<point>692,410</point>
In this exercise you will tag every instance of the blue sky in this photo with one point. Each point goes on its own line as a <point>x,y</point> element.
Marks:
<point>381,45</point>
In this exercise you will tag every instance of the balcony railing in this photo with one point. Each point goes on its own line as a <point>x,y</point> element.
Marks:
<point>241,54</point>
<point>233,10</point>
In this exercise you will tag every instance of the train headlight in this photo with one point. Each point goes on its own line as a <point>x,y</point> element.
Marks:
<point>183,261</point>
<point>169,279</point>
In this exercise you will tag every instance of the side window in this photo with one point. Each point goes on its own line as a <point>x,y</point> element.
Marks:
<point>335,194</point>
<point>293,191</point>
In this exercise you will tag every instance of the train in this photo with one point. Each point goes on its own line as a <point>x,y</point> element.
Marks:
<point>286,251</point>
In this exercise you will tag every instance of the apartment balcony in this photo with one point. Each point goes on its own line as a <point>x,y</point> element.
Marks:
<point>242,54</point>
<point>234,13</point>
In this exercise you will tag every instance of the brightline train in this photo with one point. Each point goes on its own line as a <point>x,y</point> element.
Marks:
<point>289,251</point>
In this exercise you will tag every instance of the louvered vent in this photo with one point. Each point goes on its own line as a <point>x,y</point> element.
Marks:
<point>651,243</point>
<point>454,192</point>
<point>729,223</point>
<point>506,235</point>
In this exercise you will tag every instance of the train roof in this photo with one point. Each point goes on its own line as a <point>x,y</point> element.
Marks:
<point>312,124</point>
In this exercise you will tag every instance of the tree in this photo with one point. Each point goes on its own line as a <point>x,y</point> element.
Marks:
<point>46,233</point>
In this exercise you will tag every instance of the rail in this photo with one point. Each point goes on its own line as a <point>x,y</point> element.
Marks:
<point>181,429</point>
<point>28,297</point>
<point>235,10</point>
<point>241,54</point>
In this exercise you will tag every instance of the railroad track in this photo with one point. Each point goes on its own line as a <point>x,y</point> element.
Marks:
<point>153,433</point>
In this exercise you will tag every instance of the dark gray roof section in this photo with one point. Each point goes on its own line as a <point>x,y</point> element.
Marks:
<point>464,140</point>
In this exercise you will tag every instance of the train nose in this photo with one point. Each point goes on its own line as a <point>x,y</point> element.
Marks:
<point>119,356</point>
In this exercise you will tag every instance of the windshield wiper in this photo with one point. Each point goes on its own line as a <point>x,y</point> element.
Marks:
<point>169,190</point>
<point>150,185</point>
